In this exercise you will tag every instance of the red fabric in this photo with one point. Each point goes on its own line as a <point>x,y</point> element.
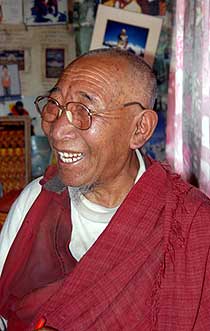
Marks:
<point>39,257</point>
<point>20,112</point>
<point>7,200</point>
<point>149,270</point>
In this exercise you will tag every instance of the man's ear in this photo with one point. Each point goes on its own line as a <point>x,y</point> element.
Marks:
<point>145,124</point>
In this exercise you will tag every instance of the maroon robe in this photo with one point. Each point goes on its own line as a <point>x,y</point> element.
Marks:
<point>149,269</point>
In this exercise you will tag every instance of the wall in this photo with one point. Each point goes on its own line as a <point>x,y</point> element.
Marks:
<point>34,41</point>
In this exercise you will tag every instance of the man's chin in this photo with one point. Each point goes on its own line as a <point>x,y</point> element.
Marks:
<point>73,180</point>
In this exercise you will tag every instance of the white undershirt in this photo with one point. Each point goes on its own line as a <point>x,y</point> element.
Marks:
<point>88,219</point>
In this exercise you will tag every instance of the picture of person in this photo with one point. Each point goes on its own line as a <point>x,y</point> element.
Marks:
<point>125,36</point>
<point>45,12</point>
<point>6,80</point>
<point>122,39</point>
<point>42,8</point>
<point>18,109</point>
<point>9,82</point>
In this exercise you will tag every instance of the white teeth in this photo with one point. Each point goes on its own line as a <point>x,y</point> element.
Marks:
<point>69,157</point>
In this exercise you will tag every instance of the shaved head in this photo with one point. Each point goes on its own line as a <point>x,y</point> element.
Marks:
<point>140,80</point>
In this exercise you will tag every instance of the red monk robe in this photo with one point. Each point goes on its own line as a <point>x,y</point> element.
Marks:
<point>149,270</point>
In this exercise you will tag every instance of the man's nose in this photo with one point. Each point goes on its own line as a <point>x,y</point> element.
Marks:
<point>62,128</point>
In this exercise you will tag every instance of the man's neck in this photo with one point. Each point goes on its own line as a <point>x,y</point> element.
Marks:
<point>112,193</point>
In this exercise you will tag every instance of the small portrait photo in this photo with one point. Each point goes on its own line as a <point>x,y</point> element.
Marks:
<point>45,12</point>
<point>9,82</point>
<point>126,36</point>
<point>54,59</point>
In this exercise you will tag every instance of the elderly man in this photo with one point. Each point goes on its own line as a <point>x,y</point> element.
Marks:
<point>108,239</point>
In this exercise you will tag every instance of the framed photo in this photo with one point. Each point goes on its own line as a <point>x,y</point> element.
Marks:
<point>54,62</point>
<point>137,33</point>
<point>13,56</point>
<point>9,82</point>
<point>39,12</point>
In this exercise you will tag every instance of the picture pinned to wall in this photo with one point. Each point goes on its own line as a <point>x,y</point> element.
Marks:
<point>54,62</point>
<point>9,82</point>
<point>11,12</point>
<point>148,7</point>
<point>45,12</point>
<point>137,33</point>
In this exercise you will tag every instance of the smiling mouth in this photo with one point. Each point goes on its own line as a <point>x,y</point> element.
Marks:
<point>70,157</point>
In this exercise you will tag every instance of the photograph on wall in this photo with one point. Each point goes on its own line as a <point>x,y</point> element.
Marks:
<point>126,36</point>
<point>11,12</point>
<point>54,62</point>
<point>9,82</point>
<point>148,7</point>
<point>45,12</point>
<point>137,33</point>
<point>13,56</point>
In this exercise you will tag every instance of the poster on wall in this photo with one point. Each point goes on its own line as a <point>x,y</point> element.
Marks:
<point>11,12</point>
<point>126,30</point>
<point>148,7</point>
<point>9,82</point>
<point>45,12</point>
<point>54,59</point>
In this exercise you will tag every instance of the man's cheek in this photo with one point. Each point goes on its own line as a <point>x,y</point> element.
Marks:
<point>46,128</point>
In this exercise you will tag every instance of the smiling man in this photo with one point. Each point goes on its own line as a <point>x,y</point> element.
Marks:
<point>108,239</point>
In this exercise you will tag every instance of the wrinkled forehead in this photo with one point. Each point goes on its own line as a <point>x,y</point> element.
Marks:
<point>101,76</point>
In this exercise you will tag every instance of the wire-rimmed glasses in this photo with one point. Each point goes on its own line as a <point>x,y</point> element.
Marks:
<point>79,115</point>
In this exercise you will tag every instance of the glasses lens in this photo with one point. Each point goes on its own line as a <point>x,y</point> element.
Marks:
<point>80,115</point>
<point>48,109</point>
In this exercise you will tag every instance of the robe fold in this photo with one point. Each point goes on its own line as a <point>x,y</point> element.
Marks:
<point>148,270</point>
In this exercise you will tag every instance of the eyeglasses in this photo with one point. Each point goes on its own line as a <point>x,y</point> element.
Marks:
<point>79,115</point>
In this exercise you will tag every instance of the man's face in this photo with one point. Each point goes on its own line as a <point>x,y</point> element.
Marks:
<point>100,154</point>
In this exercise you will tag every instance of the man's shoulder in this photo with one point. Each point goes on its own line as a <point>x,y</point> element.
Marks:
<point>34,185</point>
<point>27,196</point>
<point>180,194</point>
<point>185,191</point>
<point>190,208</point>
